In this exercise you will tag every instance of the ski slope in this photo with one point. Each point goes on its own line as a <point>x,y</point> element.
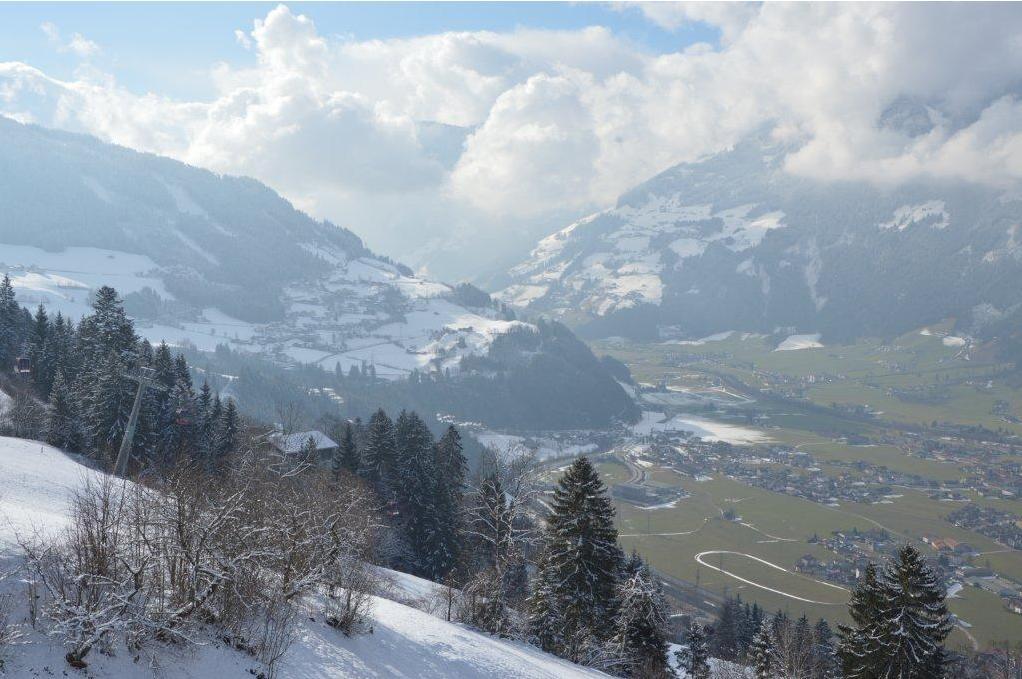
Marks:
<point>35,486</point>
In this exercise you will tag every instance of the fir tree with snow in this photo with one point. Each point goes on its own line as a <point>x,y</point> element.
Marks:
<point>694,657</point>
<point>63,428</point>
<point>640,639</point>
<point>582,556</point>
<point>761,651</point>
<point>914,620</point>
<point>346,458</point>
<point>379,452</point>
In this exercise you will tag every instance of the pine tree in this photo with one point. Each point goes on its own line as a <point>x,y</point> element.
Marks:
<point>108,407</point>
<point>860,655</point>
<point>914,620</point>
<point>227,436</point>
<point>694,657</point>
<point>451,468</point>
<point>640,638</point>
<point>545,610</point>
<point>38,345</point>
<point>63,428</point>
<point>583,556</point>
<point>761,653</point>
<point>726,631</point>
<point>379,452</point>
<point>825,665</point>
<point>415,487</point>
<point>9,321</point>
<point>347,457</point>
<point>107,329</point>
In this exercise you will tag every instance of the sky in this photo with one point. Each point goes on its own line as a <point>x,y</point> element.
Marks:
<point>452,136</point>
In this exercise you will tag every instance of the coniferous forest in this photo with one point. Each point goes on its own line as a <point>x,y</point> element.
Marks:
<point>509,562</point>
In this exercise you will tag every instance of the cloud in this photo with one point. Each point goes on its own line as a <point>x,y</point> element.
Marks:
<point>730,17</point>
<point>77,44</point>
<point>479,132</point>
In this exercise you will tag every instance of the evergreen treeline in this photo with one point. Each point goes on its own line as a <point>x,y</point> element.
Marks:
<point>419,482</point>
<point>82,373</point>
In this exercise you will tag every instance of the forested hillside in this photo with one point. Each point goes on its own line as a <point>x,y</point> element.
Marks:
<point>205,261</point>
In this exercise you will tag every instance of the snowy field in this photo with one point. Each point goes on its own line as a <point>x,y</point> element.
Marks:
<point>627,265</point>
<point>405,642</point>
<point>432,333</point>
<point>797,342</point>
<point>707,430</point>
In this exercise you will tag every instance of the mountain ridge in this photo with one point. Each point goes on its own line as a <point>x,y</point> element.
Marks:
<point>734,242</point>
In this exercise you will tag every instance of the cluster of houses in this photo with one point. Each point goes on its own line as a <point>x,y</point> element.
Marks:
<point>996,524</point>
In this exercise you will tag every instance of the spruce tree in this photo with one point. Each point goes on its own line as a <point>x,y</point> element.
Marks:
<point>694,657</point>
<point>227,438</point>
<point>379,452</point>
<point>859,652</point>
<point>761,651</point>
<point>825,665</point>
<point>726,630</point>
<point>640,639</point>
<point>347,457</point>
<point>10,314</point>
<point>546,610</point>
<point>914,619</point>
<point>38,346</point>
<point>582,556</point>
<point>451,468</point>
<point>108,407</point>
<point>63,428</point>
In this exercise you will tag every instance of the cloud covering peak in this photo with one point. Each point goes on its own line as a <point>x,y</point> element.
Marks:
<point>546,124</point>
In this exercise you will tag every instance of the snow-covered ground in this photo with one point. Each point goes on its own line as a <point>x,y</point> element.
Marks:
<point>708,430</point>
<point>430,332</point>
<point>544,447</point>
<point>797,342</point>
<point>405,642</point>
<point>626,266</point>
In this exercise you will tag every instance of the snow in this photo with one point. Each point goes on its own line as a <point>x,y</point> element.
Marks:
<point>717,337</point>
<point>952,341</point>
<point>35,488</point>
<point>932,212</point>
<point>708,430</point>
<point>432,333</point>
<point>797,342</point>
<point>624,265</point>
<point>544,447</point>
<point>405,642</point>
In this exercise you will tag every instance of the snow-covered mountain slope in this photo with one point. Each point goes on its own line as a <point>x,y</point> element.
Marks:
<point>211,260</point>
<point>35,488</point>
<point>735,242</point>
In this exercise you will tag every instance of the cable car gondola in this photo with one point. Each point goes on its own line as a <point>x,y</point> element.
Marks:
<point>23,365</point>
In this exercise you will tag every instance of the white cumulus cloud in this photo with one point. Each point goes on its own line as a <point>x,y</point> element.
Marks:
<point>415,142</point>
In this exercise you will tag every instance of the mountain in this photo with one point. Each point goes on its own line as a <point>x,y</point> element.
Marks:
<point>204,260</point>
<point>733,242</point>
<point>35,493</point>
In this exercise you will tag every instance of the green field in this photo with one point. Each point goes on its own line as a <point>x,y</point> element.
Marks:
<point>857,374</point>
<point>778,529</point>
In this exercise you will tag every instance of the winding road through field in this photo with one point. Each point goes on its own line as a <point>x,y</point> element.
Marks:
<point>699,559</point>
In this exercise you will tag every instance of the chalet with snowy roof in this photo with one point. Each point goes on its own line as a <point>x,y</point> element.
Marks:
<point>293,445</point>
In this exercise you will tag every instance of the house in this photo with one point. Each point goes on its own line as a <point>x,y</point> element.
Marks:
<point>292,445</point>
<point>807,564</point>
<point>1013,604</point>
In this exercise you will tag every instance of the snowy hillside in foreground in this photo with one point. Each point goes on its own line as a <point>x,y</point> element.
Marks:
<point>34,488</point>
<point>208,259</point>
<point>735,242</point>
